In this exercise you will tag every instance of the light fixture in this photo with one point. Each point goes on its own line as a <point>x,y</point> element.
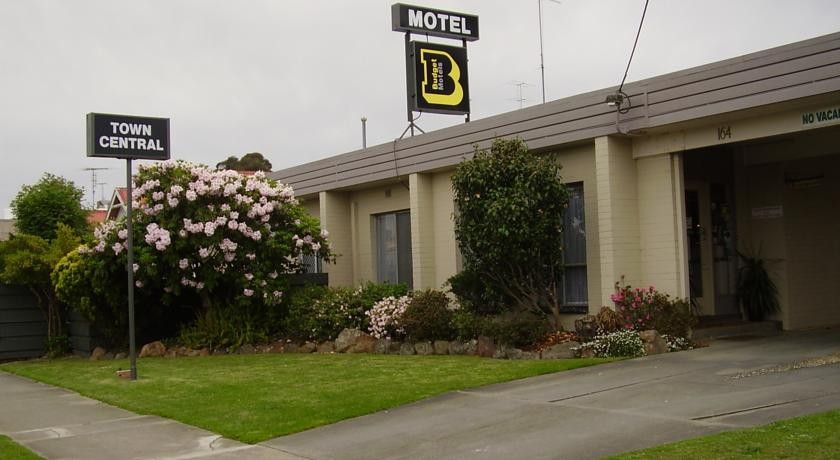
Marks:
<point>615,100</point>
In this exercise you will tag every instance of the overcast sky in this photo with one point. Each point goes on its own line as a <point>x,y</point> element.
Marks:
<point>291,79</point>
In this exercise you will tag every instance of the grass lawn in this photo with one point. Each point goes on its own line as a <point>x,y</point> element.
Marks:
<point>10,450</point>
<point>812,437</point>
<point>252,398</point>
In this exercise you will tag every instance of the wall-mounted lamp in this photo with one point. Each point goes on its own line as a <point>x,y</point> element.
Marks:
<point>615,100</point>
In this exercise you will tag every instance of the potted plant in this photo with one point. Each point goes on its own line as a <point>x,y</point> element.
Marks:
<point>757,292</point>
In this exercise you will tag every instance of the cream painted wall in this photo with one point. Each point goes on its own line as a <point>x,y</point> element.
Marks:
<point>445,246</point>
<point>661,229</point>
<point>311,205</point>
<point>365,204</point>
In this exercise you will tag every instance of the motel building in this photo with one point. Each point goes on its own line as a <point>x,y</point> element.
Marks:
<point>742,153</point>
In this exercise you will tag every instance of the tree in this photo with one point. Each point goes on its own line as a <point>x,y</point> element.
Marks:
<point>509,225</point>
<point>218,236</point>
<point>39,208</point>
<point>28,260</point>
<point>253,161</point>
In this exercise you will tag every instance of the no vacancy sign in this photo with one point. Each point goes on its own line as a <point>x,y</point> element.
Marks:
<point>126,136</point>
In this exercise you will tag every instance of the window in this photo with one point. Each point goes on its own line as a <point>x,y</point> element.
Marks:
<point>393,248</point>
<point>574,287</point>
<point>311,263</point>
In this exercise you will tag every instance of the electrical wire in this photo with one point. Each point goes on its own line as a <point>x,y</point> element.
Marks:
<point>638,32</point>
<point>621,94</point>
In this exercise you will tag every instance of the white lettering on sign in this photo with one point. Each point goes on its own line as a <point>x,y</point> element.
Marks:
<point>134,143</point>
<point>821,117</point>
<point>131,128</point>
<point>429,20</point>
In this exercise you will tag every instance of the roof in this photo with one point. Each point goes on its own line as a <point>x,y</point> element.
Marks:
<point>786,73</point>
<point>96,216</point>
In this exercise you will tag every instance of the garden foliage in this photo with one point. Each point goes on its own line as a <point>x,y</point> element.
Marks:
<point>428,317</point>
<point>641,309</point>
<point>53,200</point>
<point>320,313</point>
<point>509,225</point>
<point>27,260</point>
<point>626,343</point>
<point>204,240</point>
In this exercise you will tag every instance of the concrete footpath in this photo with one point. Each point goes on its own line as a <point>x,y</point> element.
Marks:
<point>585,413</point>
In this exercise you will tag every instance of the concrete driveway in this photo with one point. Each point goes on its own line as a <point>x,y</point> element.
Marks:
<point>589,413</point>
<point>585,413</point>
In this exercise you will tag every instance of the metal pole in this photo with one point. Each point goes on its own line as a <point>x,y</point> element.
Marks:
<point>542,64</point>
<point>364,132</point>
<point>132,348</point>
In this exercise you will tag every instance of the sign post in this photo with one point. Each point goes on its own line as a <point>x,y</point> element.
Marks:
<point>129,137</point>
<point>436,75</point>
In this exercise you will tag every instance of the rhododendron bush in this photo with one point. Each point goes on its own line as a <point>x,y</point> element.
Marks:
<point>218,237</point>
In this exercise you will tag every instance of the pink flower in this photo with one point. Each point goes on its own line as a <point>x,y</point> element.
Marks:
<point>138,283</point>
<point>248,292</point>
<point>184,263</point>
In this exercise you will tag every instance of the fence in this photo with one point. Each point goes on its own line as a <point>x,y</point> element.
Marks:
<point>23,329</point>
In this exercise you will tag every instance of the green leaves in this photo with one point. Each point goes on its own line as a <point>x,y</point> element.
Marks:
<point>510,203</point>
<point>39,208</point>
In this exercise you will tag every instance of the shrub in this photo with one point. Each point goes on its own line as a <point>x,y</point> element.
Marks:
<point>607,320</point>
<point>428,317</point>
<point>467,325</point>
<point>385,317</point>
<point>645,308</point>
<point>475,295</point>
<point>520,331</point>
<point>624,343</point>
<point>223,327</point>
<point>677,343</point>
<point>321,313</point>
<point>673,318</point>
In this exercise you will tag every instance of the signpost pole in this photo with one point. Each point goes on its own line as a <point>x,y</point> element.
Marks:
<point>409,87</point>
<point>132,347</point>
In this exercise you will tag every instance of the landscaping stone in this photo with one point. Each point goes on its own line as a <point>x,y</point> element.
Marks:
<point>326,347</point>
<point>277,347</point>
<point>363,344</point>
<point>387,347</point>
<point>586,327</point>
<point>485,347</point>
<point>513,353</point>
<point>247,349</point>
<point>530,355</point>
<point>471,347</point>
<point>457,348</point>
<point>424,348</point>
<point>307,347</point>
<point>121,355</point>
<point>108,356</point>
<point>560,351</point>
<point>204,352</point>
<point>587,353</point>
<point>347,338</point>
<point>407,349</point>
<point>154,349</point>
<point>654,343</point>
<point>441,347</point>
<point>97,354</point>
<point>290,347</point>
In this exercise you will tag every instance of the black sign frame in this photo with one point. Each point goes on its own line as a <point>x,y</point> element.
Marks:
<point>444,25</point>
<point>423,96</point>
<point>145,138</point>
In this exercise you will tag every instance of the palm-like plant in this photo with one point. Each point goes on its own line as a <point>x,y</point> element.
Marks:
<point>757,292</point>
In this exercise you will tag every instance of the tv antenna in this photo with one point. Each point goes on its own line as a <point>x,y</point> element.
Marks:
<point>542,63</point>
<point>519,97</point>
<point>93,184</point>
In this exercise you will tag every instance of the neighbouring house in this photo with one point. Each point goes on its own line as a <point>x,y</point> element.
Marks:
<point>696,164</point>
<point>96,216</point>
<point>117,209</point>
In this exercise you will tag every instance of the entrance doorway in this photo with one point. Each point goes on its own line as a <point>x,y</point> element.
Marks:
<point>711,232</point>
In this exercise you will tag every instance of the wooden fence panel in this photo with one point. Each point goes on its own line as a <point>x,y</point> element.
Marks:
<point>23,329</point>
